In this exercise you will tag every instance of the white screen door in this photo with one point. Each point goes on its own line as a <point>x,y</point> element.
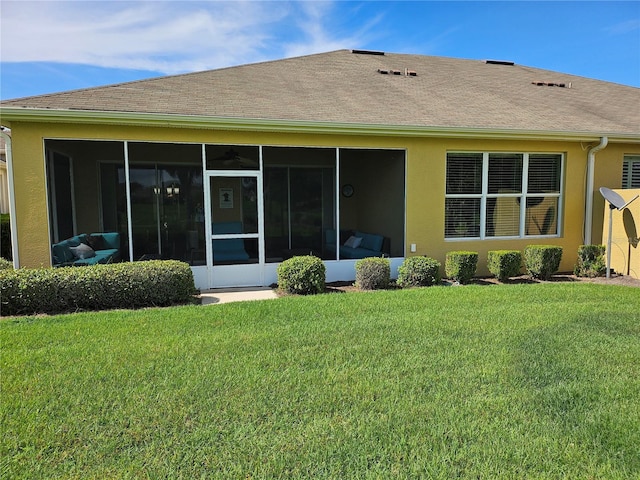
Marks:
<point>235,248</point>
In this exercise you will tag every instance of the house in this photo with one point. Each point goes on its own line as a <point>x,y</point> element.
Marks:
<point>4,180</point>
<point>234,170</point>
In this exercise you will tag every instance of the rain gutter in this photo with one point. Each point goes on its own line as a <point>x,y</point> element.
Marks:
<point>46,115</point>
<point>589,191</point>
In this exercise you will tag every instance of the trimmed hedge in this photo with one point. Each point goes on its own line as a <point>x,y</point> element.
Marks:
<point>461,266</point>
<point>504,263</point>
<point>302,275</point>
<point>542,261</point>
<point>591,261</point>
<point>98,287</point>
<point>419,272</point>
<point>373,273</point>
<point>5,264</point>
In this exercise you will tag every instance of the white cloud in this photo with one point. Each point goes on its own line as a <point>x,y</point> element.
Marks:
<point>321,32</point>
<point>165,36</point>
<point>624,27</point>
<point>168,37</point>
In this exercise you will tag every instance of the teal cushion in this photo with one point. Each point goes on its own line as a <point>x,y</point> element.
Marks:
<point>229,250</point>
<point>348,252</point>
<point>110,240</point>
<point>222,228</point>
<point>230,245</point>
<point>111,252</point>
<point>105,245</point>
<point>78,239</point>
<point>371,241</point>
<point>62,253</point>
<point>105,256</point>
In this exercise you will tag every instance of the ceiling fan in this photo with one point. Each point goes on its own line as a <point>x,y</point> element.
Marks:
<point>231,157</point>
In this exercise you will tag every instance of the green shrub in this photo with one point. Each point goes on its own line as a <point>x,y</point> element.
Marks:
<point>373,273</point>
<point>5,264</point>
<point>419,272</point>
<point>302,275</point>
<point>5,237</point>
<point>542,261</point>
<point>504,263</point>
<point>461,266</point>
<point>591,261</point>
<point>97,287</point>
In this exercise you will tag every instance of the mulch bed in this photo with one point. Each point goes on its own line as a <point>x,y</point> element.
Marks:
<point>341,287</point>
<point>615,279</point>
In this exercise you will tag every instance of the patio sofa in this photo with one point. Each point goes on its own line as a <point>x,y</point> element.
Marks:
<point>357,244</point>
<point>87,249</point>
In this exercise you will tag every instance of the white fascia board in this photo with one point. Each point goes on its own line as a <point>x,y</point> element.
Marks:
<point>8,114</point>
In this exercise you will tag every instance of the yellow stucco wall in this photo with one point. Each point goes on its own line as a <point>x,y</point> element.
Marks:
<point>608,173</point>
<point>426,198</point>
<point>625,246</point>
<point>425,180</point>
<point>30,197</point>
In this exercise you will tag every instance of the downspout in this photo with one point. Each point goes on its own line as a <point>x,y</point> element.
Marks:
<point>12,200</point>
<point>588,212</point>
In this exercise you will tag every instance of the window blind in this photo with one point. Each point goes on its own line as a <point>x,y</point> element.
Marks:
<point>462,217</point>
<point>505,173</point>
<point>504,220</point>
<point>544,174</point>
<point>464,173</point>
<point>631,172</point>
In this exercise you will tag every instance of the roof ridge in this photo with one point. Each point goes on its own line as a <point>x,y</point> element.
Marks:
<point>539,70</point>
<point>280,60</point>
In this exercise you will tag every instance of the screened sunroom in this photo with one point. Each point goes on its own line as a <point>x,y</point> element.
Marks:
<point>233,212</point>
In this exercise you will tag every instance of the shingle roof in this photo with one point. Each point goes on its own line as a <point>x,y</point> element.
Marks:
<point>346,87</point>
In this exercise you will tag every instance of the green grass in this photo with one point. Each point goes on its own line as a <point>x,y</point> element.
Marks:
<point>515,381</point>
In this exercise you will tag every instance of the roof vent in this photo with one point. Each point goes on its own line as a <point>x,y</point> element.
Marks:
<point>551,84</point>
<point>367,52</point>
<point>498,62</point>
<point>406,73</point>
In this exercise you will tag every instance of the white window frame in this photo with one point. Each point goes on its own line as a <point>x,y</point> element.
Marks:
<point>524,195</point>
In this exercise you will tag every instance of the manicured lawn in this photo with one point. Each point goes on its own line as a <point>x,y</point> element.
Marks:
<point>517,381</point>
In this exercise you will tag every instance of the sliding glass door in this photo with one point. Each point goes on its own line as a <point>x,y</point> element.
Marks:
<point>167,213</point>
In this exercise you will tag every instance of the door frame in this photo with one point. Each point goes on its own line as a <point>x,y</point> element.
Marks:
<point>235,275</point>
<point>52,158</point>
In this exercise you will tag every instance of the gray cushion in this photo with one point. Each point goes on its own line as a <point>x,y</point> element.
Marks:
<point>353,242</point>
<point>83,251</point>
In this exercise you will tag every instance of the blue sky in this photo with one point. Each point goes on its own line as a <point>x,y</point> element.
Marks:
<point>51,46</point>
